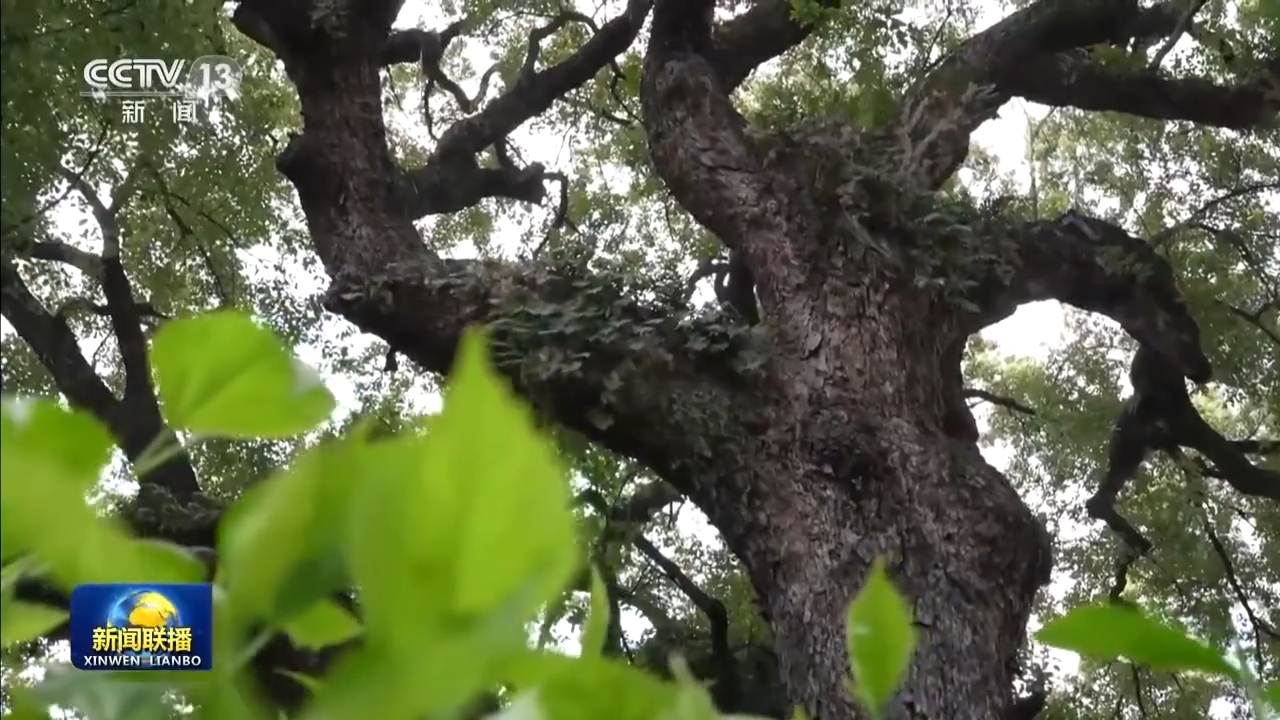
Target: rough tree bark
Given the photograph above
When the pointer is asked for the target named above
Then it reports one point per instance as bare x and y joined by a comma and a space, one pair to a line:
831, 432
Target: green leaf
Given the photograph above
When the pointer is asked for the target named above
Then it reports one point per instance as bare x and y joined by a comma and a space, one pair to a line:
223, 694
163, 562
50, 458
507, 481
232, 646
880, 638
306, 681
222, 374
301, 514
276, 513
596, 633
1272, 695
21, 621
58, 445
692, 701
590, 688
368, 682
1106, 632
474, 517
12, 573
104, 695
25, 705
321, 625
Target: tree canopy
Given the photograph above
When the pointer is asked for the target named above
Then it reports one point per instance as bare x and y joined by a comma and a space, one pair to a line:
585, 203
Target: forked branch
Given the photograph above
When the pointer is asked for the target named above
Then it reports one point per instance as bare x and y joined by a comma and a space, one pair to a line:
55, 344
536, 92
764, 32
1025, 54
1161, 417
699, 147
1096, 266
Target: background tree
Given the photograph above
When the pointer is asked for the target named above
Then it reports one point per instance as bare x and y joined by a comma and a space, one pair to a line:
812, 406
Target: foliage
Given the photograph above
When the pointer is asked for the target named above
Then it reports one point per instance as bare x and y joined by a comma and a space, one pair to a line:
456, 537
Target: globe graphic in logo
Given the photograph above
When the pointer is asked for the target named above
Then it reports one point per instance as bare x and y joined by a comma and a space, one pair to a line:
144, 609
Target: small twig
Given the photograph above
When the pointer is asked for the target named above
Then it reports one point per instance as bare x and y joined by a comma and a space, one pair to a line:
937, 35
994, 399
1253, 318
187, 233
1183, 24
1260, 627
77, 177
79, 304
1164, 235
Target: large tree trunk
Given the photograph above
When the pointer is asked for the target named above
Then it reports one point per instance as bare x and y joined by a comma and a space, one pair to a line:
857, 480
866, 448
834, 430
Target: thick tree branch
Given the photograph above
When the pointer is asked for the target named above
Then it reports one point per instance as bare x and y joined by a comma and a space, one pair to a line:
292, 28
929, 136
639, 508
53, 341
1226, 458
1160, 416
86, 262
764, 32
599, 363
699, 147
55, 344
126, 322
726, 689
634, 378
459, 182
452, 180
133, 419
1257, 447
1095, 266
1076, 81
409, 46
928, 139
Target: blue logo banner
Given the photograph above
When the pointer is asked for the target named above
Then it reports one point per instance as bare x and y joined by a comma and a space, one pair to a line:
142, 626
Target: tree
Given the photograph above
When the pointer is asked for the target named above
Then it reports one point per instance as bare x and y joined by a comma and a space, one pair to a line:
817, 416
